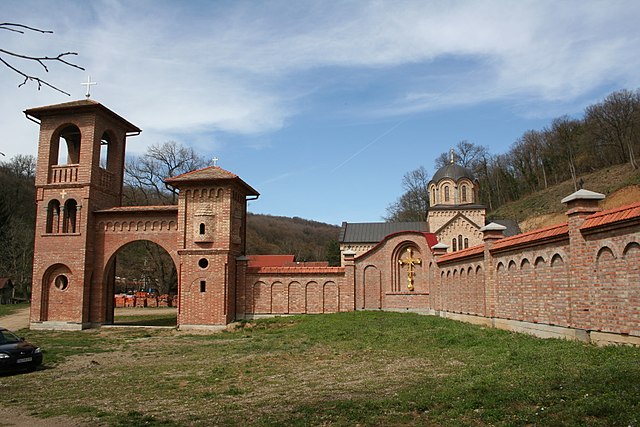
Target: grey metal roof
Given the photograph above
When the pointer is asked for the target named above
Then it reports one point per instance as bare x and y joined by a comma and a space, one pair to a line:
374, 232
512, 226
453, 171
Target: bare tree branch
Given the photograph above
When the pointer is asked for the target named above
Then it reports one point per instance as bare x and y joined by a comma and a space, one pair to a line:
42, 60
10, 27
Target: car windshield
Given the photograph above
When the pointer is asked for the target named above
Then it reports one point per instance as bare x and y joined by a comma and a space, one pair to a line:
7, 337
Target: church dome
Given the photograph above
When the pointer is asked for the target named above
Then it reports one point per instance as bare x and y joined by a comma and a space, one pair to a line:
453, 171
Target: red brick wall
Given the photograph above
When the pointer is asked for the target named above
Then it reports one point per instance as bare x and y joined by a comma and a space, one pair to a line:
296, 290
586, 280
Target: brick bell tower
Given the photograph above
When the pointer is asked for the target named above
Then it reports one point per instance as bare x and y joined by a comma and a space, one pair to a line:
212, 217
80, 170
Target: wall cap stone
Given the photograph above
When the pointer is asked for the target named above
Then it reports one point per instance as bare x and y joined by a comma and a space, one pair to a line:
493, 227
440, 246
583, 194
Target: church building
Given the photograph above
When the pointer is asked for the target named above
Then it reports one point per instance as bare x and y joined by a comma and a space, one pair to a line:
455, 215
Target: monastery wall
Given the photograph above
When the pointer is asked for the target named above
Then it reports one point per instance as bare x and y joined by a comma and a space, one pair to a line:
294, 290
576, 280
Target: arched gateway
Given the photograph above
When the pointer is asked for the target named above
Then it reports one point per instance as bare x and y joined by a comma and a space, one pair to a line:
80, 224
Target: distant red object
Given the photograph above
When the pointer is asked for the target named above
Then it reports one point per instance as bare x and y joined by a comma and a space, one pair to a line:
270, 260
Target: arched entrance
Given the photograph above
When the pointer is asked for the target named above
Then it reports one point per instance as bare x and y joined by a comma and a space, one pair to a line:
141, 285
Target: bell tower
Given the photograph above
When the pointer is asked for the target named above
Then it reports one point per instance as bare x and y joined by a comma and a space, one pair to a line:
80, 170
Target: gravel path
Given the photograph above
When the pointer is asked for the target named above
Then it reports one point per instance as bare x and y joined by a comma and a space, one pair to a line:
15, 321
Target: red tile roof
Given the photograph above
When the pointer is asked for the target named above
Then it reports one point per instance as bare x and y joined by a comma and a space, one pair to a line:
143, 209
553, 232
204, 174
624, 213
81, 104
469, 252
208, 174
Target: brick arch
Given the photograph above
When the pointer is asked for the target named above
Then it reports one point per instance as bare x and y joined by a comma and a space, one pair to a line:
55, 146
372, 292
103, 281
52, 296
398, 271
330, 297
279, 297
463, 291
297, 298
631, 257
115, 243
630, 247
604, 252
261, 302
606, 290
481, 302
314, 296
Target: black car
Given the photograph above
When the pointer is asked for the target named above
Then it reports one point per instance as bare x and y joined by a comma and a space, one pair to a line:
16, 353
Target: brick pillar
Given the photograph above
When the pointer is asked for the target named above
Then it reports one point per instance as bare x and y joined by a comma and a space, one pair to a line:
241, 284
439, 249
580, 205
490, 234
348, 261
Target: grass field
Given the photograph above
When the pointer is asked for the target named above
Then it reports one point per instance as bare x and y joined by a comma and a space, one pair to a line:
146, 317
361, 368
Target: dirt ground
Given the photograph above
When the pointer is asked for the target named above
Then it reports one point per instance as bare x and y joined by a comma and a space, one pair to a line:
15, 321
20, 319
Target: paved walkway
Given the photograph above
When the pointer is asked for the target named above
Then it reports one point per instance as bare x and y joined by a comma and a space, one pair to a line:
16, 320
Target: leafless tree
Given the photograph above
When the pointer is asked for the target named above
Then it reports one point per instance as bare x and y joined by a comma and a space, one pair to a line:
465, 154
145, 175
616, 122
6, 57
414, 202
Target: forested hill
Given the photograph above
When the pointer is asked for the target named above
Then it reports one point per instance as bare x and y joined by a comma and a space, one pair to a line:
307, 240
620, 184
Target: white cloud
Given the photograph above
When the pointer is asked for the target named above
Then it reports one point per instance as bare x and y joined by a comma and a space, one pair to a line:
245, 67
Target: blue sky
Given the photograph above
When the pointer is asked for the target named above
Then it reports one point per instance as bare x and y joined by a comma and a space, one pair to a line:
323, 106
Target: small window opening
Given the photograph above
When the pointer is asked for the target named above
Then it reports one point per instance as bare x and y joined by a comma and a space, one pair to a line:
464, 193
446, 193
466, 243
202, 228
69, 218
104, 153
454, 243
203, 263
460, 241
53, 217
203, 286
61, 282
